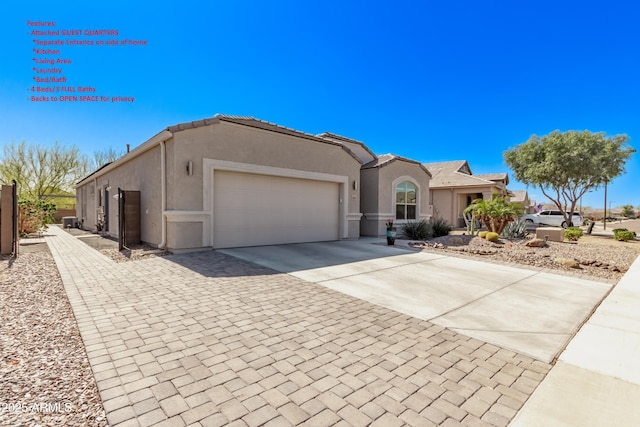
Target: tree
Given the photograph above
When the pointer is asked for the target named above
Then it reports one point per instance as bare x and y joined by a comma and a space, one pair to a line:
627, 210
102, 157
495, 214
40, 170
565, 165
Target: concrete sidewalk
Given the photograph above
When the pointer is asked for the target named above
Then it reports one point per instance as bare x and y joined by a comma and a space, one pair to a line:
206, 339
596, 381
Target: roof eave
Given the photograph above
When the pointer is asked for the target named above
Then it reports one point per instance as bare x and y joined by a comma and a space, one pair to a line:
142, 148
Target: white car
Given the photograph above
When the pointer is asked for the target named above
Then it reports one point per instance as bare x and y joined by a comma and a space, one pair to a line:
551, 217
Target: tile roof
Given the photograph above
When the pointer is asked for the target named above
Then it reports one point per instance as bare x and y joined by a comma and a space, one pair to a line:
519, 196
454, 174
502, 176
337, 137
359, 148
388, 158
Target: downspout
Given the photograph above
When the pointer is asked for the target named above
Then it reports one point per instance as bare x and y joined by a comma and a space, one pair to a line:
95, 201
163, 194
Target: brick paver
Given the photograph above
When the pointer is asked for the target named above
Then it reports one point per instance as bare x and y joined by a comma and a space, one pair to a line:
208, 339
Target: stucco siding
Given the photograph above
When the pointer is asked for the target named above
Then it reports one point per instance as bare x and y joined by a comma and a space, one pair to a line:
379, 194
369, 205
243, 144
142, 173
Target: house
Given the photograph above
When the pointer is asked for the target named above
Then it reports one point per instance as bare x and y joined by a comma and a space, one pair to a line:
232, 181
392, 187
521, 197
453, 187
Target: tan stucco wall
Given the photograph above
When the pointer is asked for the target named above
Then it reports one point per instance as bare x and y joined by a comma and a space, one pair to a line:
378, 195
242, 144
449, 203
184, 235
369, 204
142, 173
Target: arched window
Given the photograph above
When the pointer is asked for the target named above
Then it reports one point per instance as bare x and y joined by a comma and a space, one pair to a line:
406, 200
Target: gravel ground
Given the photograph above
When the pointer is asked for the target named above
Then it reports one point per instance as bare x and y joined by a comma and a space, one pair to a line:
591, 256
46, 376
134, 253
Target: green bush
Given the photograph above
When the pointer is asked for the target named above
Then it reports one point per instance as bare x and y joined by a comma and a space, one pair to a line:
622, 234
573, 233
34, 214
516, 230
492, 237
440, 227
417, 230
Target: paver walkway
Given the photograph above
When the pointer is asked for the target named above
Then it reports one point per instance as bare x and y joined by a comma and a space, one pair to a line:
208, 339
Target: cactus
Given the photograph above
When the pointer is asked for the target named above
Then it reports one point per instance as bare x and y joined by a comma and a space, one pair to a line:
492, 237
482, 234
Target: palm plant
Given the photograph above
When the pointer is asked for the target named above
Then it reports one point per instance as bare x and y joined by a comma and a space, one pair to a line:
495, 214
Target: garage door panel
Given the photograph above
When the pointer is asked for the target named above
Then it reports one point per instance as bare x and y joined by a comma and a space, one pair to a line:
253, 210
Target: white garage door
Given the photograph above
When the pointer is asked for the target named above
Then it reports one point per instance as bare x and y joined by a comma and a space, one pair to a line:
254, 210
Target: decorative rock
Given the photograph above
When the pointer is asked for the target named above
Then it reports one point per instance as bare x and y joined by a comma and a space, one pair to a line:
568, 262
536, 243
456, 241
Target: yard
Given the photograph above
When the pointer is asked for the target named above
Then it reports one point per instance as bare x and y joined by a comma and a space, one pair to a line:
597, 256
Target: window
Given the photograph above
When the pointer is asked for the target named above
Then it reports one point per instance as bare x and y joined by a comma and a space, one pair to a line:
405, 201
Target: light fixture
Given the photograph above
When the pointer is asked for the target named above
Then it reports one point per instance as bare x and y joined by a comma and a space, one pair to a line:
190, 168
355, 184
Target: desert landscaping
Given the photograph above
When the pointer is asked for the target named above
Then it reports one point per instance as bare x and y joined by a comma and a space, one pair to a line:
595, 256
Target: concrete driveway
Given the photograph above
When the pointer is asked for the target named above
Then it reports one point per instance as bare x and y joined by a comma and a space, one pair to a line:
532, 312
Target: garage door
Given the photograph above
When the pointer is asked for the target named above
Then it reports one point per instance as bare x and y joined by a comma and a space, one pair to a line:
254, 210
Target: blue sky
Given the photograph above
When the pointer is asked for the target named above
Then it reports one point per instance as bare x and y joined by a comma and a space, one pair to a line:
429, 80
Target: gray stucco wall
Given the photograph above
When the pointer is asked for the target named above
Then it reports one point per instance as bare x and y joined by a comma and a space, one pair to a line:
142, 173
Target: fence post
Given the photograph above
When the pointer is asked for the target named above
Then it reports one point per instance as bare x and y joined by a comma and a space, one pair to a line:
7, 212
16, 217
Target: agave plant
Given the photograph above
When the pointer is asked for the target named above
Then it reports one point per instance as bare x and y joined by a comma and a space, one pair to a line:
516, 230
417, 230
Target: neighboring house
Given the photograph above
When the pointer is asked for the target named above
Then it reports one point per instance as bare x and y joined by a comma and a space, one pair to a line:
521, 197
232, 181
453, 187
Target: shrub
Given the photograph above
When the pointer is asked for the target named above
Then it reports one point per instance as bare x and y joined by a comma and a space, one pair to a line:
516, 230
34, 214
622, 234
492, 237
482, 234
417, 230
573, 233
440, 227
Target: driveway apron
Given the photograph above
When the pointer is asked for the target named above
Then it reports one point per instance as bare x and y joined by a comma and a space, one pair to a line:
207, 339
528, 311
